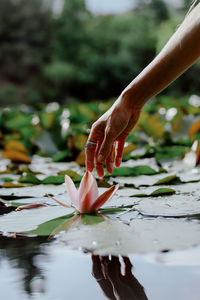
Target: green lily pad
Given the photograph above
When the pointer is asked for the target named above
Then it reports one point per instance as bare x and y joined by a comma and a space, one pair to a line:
28, 220
158, 192
88, 219
163, 191
46, 229
54, 180
171, 206
135, 171
29, 178
168, 180
61, 155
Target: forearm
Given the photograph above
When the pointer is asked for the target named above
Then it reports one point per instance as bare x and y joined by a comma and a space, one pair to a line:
181, 51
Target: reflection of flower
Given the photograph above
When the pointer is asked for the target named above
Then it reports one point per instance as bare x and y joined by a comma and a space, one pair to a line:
86, 199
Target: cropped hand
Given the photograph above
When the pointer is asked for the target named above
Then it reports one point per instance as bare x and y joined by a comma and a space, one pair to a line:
113, 126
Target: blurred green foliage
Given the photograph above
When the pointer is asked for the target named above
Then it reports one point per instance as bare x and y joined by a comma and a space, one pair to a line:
165, 131
46, 55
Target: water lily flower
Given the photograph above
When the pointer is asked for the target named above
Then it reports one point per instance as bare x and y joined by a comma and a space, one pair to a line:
86, 198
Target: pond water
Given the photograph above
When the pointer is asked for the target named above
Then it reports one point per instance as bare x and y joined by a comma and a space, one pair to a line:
38, 269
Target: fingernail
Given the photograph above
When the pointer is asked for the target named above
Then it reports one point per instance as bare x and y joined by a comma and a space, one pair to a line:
100, 158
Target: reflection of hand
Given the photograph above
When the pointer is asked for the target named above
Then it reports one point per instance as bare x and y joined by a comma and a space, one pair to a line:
114, 125
114, 284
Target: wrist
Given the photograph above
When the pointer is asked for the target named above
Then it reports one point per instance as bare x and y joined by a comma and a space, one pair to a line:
131, 100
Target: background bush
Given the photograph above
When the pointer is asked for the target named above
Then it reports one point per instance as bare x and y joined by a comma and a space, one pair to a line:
46, 56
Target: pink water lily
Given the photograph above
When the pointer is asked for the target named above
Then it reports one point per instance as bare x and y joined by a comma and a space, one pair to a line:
86, 198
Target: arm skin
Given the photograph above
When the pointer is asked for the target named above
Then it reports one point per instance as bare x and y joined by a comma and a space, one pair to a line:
180, 52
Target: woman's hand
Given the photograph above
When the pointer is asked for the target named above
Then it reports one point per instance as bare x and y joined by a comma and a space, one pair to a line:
113, 126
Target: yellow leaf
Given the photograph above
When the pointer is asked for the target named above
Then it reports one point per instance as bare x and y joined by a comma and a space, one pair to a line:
15, 145
16, 156
11, 185
152, 125
194, 128
78, 141
81, 158
128, 149
5, 171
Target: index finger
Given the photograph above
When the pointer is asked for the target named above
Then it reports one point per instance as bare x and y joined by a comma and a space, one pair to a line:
90, 153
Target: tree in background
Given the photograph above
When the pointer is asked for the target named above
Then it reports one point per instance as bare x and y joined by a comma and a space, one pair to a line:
48, 57
24, 37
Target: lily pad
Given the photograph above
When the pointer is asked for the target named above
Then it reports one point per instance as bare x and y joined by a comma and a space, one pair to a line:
33, 191
134, 171
142, 236
156, 193
29, 178
172, 206
54, 180
26, 220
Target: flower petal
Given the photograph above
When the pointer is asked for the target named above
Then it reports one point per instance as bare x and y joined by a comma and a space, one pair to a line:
72, 191
63, 204
30, 206
107, 195
88, 192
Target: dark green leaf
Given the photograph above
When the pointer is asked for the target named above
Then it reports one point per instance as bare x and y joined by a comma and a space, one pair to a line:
53, 180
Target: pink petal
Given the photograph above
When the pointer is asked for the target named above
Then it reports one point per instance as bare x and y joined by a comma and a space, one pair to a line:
72, 191
104, 197
88, 192
30, 206
63, 204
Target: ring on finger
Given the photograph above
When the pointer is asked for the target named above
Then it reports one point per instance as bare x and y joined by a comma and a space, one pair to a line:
88, 144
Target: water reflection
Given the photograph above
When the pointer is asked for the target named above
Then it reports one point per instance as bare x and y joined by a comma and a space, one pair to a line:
114, 284
21, 254
39, 269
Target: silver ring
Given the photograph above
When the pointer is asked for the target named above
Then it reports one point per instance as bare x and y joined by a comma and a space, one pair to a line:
99, 279
88, 144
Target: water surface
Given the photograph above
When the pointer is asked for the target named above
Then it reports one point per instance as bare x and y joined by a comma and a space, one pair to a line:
46, 270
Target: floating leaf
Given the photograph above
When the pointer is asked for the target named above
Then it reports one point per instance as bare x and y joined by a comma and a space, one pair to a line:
87, 219
167, 180
158, 192
54, 180
16, 156
163, 191
152, 125
15, 145
11, 185
61, 155
167, 152
194, 128
74, 175
26, 220
7, 179
171, 206
29, 178
135, 171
